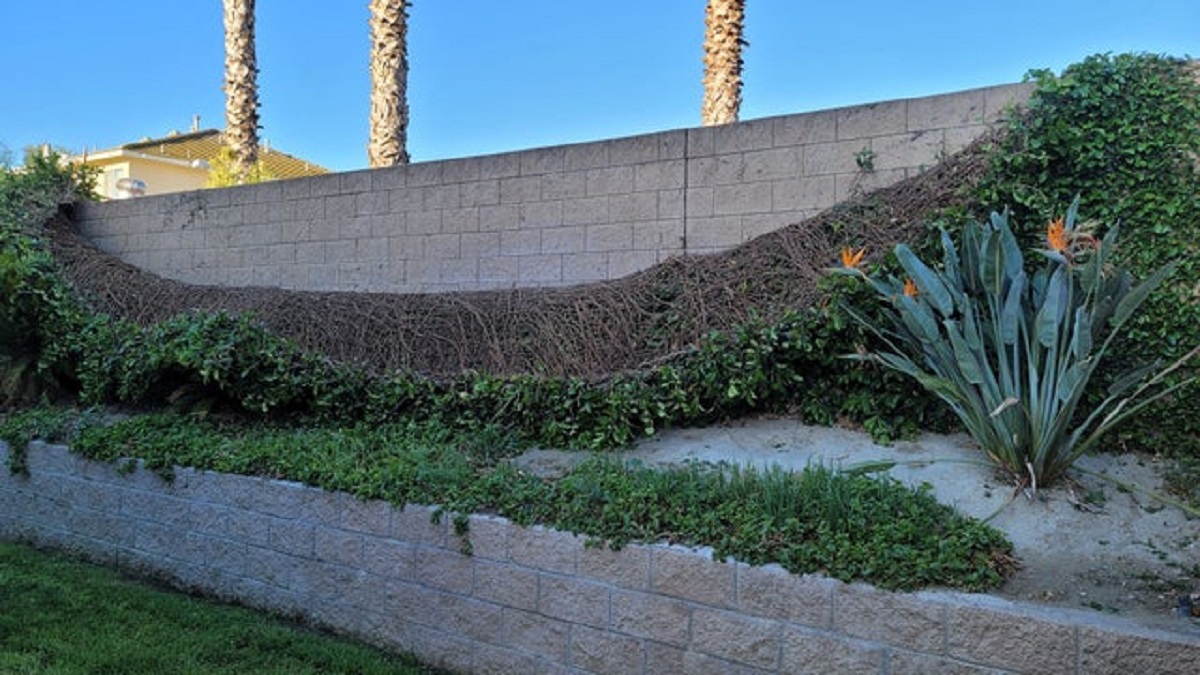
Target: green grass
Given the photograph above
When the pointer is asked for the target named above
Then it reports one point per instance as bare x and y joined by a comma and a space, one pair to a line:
59, 615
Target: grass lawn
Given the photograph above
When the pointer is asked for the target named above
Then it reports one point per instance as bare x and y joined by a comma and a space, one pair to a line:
59, 615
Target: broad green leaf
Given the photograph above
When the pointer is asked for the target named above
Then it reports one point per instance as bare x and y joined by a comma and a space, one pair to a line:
968, 361
1071, 385
1081, 340
1013, 310
929, 283
1053, 309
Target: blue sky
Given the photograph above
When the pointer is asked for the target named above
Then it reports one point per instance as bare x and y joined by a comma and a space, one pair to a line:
489, 76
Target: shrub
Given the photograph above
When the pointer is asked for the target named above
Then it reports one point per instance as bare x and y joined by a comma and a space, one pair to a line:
1123, 133
1012, 353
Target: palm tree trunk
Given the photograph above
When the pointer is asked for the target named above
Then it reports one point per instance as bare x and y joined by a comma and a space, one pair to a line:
241, 87
389, 83
723, 22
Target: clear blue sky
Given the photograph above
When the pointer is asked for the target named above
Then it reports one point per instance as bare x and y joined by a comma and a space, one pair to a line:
488, 75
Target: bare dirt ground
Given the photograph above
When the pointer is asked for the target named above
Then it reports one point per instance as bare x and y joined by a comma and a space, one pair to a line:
1099, 542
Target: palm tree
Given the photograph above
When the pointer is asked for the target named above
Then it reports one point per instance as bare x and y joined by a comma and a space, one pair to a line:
723, 22
389, 81
241, 87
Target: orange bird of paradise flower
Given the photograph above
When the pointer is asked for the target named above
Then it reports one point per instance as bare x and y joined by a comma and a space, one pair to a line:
851, 259
910, 288
1057, 237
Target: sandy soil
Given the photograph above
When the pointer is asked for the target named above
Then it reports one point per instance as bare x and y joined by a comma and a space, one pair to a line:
1099, 541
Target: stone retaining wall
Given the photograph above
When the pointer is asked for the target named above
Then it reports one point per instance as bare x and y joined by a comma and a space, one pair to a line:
541, 217
533, 600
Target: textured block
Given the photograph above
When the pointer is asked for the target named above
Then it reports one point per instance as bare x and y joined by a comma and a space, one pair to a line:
542, 161
562, 239
742, 136
415, 523
445, 570
803, 194
498, 272
804, 129
948, 110
1119, 651
911, 621
615, 237
808, 652
472, 618
520, 190
774, 593
633, 149
441, 246
910, 663
661, 175
499, 217
647, 615
493, 660
839, 157
1011, 640
913, 149
692, 574
742, 198
338, 546
479, 193
537, 269
585, 156
476, 245
564, 185
610, 181
598, 651
585, 211
873, 119
506, 584
292, 537
719, 232
771, 164
622, 263
671, 204
462, 170
726, 635
584, 267
499, 166
541, 214
658, 235
389, 558
573, 599
536, 633
633, 207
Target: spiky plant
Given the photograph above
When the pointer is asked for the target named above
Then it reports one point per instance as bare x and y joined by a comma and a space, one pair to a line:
1012, 354
723, 23
389, 82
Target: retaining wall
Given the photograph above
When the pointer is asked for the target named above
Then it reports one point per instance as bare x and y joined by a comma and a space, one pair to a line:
542, 217
532, 600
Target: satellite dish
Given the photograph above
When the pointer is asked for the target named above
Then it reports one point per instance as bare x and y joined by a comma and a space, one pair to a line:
130, 187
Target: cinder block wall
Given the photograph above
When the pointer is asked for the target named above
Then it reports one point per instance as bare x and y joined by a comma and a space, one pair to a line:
532, 600
543, 217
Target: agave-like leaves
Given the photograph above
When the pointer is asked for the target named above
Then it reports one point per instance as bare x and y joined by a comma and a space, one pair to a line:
1012, 352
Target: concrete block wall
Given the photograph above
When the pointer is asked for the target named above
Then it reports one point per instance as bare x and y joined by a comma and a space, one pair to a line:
542, 217
533, 600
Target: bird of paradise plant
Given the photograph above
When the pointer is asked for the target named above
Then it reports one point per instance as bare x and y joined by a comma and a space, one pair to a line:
1011, 352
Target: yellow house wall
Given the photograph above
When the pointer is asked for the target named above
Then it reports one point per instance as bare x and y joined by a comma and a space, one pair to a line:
160, 178
163, 178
